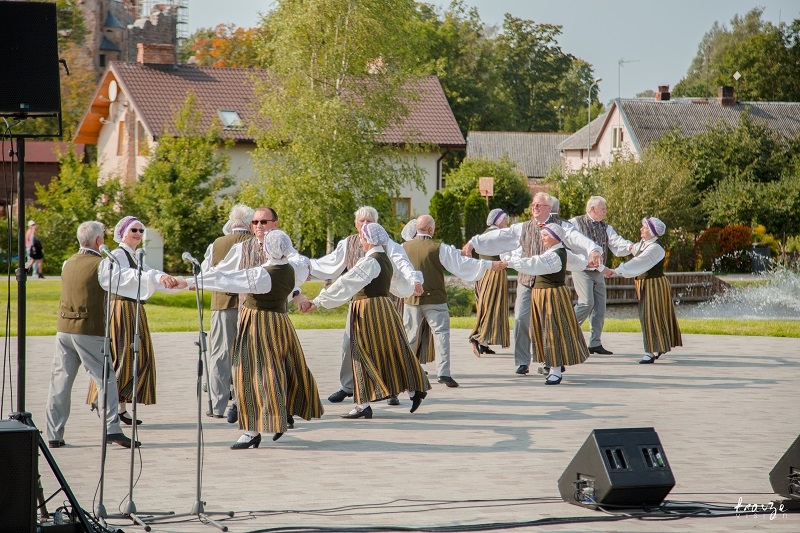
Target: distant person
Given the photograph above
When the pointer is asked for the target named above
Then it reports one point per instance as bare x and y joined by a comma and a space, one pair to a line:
33, 246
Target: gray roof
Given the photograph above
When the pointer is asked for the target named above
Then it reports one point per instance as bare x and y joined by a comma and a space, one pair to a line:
579, 140
534, 154
105, 44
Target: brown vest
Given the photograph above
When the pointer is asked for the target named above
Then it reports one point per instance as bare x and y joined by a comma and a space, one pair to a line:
82, 306
657, 271
277, 298
424, 255
380, 285
597, 231
225, 300
556, 279
531, 245
354, 252
490, 257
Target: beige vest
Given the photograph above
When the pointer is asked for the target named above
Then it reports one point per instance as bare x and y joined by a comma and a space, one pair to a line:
225, 300
82, 306
424, 255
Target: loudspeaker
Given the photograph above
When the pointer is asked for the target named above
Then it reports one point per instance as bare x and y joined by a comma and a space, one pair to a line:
18, 457
29, 76
785, 477
618, 468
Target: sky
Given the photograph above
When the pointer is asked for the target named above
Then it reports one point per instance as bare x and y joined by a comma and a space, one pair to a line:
658, 40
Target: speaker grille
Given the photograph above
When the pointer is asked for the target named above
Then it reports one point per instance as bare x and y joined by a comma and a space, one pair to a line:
18, 457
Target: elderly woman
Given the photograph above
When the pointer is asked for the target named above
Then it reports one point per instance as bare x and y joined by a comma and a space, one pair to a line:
556, 335
491, 325
660, 331
383, 362
271, 379
124, 289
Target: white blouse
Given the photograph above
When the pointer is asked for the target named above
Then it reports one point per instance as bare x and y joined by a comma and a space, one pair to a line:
333, 264
230, 264
250, 280
506, 240
647, 254
466, 268
125, 279
547, 263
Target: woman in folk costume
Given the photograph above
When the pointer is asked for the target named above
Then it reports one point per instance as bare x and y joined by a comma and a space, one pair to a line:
558, 339
660, 331
383, 363
124, 288
270, 377
491, 325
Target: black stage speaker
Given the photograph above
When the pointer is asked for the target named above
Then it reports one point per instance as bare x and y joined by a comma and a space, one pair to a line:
18, 469
618, 468
785, 477
29, 82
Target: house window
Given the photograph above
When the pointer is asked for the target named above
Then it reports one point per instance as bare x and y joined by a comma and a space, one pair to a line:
121, 138
230, 120
141, 139
101, 61
616, 137
402, 208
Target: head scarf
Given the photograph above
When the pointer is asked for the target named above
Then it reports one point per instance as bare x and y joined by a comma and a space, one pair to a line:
657, 228
375, 234
277, 244
409, 230
122, 227
555, 230
496, 216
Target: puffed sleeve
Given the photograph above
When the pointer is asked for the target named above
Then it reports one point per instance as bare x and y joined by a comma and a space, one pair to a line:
345, 287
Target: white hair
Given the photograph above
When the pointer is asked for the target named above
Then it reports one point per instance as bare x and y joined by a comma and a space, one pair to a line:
594, 201
241, 216
547, 198
370, 213
555, 206
88, 232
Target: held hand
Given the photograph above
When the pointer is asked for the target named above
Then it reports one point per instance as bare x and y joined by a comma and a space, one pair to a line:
181, 283
167, 281
302, 302
310, 307
418, 289
608, 273
467, 249
499, 265
594, 259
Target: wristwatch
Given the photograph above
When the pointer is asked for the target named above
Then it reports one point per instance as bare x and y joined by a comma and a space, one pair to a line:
295, 293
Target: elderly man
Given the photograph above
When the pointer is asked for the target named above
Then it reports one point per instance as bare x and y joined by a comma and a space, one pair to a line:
224, 312
590, 284
79, 339
432, 258
528, 236
347, 253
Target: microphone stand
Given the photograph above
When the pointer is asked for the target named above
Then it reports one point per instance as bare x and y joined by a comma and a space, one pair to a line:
198, 509
100, 511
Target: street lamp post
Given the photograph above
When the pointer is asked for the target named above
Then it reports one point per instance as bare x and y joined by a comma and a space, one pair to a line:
589, 123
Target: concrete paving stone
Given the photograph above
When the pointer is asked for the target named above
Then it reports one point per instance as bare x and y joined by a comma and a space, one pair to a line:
489, 451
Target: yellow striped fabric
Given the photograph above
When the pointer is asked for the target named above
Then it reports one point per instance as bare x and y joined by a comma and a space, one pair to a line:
557, 339
492, 309
660, 330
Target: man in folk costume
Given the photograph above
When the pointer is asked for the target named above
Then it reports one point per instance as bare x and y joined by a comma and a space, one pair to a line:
224, 312
432, 258
80, 337
347, 253
527, 235
660, 330
271, 377
590, 284
383, 362
558, 338
491, 324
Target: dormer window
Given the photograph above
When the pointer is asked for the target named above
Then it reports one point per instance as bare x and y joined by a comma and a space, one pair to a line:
230, 120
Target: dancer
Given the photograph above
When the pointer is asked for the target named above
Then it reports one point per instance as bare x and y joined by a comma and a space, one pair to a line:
383, 363
660, 330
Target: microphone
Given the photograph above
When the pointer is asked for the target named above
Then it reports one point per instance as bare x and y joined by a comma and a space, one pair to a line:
104, 249
140, 257
186, 256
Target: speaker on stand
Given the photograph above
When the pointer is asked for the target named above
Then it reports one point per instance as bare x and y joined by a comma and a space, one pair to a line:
18, 446
785, 477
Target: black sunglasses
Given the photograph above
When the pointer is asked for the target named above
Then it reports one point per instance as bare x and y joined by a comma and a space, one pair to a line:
263, 222
137, 230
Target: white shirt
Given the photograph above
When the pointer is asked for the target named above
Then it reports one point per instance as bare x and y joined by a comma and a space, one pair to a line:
125, 279
250, 280
647, 255
547, 263
506, 240
618, 246
332, 265
206, 264
466, 268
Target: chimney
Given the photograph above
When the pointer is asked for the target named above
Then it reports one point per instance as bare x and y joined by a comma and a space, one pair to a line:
155, 54
725, 95
662, 95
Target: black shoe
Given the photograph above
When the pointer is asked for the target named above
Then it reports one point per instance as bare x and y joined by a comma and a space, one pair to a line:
393, 400
233, 414
417, 400
522, 369
549, 381
487, 350
289, 422
127, 420
647, 359
339, 396
476, 347
359, 413
213, 415
254, 442
275, 437
56, 443
447, 380
121, 439
599, 349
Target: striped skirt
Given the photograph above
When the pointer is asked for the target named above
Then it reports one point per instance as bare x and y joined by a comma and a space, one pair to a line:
660, 331
557, 338
383, 362
270, 376
123, 328
424, 350
492, 309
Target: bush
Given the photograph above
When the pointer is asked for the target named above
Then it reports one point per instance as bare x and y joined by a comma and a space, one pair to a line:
734, 249
682, 255
708, 247
461, 301
475, 213
511, 192
761, 237
446, 211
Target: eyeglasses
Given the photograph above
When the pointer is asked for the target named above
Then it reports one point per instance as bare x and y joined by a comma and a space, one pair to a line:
540, 206
262, 222
137, 230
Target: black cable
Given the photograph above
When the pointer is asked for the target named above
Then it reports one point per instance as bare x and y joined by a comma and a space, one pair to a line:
10, 247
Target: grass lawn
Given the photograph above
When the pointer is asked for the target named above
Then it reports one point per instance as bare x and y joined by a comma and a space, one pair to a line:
177, 312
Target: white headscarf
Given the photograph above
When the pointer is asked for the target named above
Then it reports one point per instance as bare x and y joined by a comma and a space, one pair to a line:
122, 227
375, 234
496, 216
277, 244
555, 230
657, 228
409, 230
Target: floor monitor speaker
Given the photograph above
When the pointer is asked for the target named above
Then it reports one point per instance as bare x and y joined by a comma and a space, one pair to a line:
18, 457
785, 477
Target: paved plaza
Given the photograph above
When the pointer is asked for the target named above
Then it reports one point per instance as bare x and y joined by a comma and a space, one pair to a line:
488, 452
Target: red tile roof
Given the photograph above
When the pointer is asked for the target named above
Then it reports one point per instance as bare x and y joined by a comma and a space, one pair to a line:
48, 151
158, 91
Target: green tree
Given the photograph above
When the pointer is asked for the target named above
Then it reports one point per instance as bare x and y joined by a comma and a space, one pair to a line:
341, 77
475, 213
179, 190
511, 192
445, 209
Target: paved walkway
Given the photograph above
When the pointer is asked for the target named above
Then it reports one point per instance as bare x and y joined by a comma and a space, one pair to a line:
490, 451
